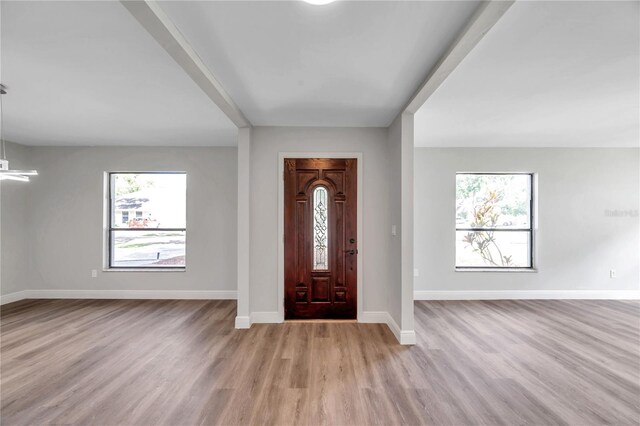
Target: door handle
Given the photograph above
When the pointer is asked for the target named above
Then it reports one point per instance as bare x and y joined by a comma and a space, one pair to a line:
351, 252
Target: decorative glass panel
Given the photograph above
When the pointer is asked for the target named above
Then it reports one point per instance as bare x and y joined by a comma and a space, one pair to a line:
320, 228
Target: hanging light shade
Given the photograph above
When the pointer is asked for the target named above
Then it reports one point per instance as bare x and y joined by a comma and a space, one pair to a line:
6, 173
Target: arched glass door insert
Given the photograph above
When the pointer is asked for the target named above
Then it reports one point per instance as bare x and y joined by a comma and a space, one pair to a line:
320, 228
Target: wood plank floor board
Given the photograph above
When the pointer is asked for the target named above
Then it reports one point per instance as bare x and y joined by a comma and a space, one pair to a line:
179, 362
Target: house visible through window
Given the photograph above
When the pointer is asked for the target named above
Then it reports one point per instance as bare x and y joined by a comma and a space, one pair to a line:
494, 220
147, 220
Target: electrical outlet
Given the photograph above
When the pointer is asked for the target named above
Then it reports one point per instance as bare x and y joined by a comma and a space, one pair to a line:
612, 273
416, 273
94, 273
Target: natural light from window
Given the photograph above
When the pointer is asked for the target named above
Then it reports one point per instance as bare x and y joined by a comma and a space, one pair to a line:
494, 220
147, 221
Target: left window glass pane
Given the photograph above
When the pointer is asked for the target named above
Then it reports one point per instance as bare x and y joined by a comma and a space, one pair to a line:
148, 200
148, 249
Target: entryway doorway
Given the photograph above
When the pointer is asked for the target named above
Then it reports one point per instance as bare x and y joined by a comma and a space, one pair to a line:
320, 238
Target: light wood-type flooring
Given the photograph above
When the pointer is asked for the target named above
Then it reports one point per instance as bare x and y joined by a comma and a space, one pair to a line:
126, 362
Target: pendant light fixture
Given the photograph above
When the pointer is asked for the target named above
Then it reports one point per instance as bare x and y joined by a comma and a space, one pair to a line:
5, 172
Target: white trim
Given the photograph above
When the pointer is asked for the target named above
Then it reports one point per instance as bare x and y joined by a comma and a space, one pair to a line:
404, 337
525, 294
14, 297
407, 337
265, 318
243, 322
130, 294
360, 205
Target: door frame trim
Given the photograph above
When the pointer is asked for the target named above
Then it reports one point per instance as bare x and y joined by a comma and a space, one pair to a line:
361, 248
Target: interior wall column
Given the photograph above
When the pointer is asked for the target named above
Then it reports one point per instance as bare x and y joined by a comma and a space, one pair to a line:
243, 319
408, 335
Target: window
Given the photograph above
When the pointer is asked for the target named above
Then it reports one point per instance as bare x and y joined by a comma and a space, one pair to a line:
320, 228
494, 220
156, 236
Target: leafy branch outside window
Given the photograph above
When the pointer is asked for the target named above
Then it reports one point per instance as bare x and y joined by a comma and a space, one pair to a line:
482, 242
487, 205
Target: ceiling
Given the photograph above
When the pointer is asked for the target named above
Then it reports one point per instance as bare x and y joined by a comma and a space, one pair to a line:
344, 64
549, 74
87, 73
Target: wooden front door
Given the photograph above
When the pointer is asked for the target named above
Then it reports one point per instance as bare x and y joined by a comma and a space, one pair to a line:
320, 246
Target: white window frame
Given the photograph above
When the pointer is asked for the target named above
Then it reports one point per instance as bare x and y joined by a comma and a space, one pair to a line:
108, 228
533, 215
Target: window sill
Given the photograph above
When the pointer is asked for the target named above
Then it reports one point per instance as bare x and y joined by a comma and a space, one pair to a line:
499, 270
144, 269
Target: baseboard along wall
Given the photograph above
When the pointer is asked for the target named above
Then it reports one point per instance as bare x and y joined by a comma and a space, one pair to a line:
120, 294
526, 294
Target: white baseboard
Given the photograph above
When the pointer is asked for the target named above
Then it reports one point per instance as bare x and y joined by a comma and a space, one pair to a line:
243, 322
121, 294
404, 337
13, 297
525, 294
257, 318
265, 318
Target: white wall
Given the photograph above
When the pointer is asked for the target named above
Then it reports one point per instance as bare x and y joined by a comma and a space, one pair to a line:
400, 147
243, 228
65, 204
394, 273
266, 143
14, 250
577, 243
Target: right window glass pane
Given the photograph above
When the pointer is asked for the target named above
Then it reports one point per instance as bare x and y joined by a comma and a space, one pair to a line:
494, 220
